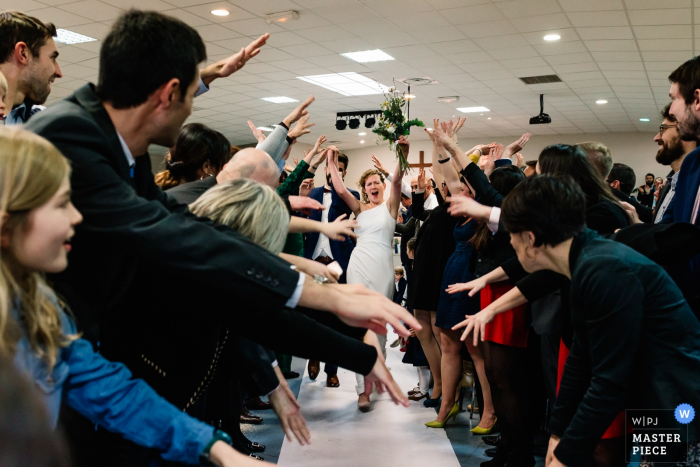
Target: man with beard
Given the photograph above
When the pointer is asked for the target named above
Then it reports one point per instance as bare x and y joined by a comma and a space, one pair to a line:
319, 247
28, 61
685, 108
646, 191
672, 151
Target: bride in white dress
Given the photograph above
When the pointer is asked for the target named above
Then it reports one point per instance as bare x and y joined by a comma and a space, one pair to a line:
371, 262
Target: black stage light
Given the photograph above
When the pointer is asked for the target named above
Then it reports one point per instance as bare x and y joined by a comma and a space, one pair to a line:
340, 124
354, 123
370, 122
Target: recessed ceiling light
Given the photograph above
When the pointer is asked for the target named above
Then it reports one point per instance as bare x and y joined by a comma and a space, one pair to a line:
347, 84
265, 128
279, 99
448, 99
368, 56
489, 118
362, 142
362, 134
281, 17
409, 96
601, 101
220, 12
70, 37
468, 110
552, 37
643, 119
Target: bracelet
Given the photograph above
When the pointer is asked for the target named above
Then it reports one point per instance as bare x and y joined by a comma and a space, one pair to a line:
444, 160
218, 436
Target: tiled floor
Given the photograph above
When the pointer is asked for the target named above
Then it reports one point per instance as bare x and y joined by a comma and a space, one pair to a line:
388, 435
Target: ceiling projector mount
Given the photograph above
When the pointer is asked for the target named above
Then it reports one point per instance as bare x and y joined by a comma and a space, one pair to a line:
542, 117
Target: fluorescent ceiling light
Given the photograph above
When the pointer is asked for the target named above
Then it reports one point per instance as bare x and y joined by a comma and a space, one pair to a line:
279, 99
552, 37
409, 96
362, 142
362, 134
70, 37
368, 56
448, 99
601, 101
347, 84
220, 12
468, 110
265, 128
643, 119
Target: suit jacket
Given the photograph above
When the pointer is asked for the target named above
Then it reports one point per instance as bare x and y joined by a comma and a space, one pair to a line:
151, 282
662, 193
187, 193
398, 294
341, 251
405, 237
645, 213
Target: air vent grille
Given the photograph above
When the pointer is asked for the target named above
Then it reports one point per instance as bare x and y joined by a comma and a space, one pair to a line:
417, 81
541, 79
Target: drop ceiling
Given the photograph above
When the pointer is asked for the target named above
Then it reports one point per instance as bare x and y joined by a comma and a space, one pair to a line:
621, 51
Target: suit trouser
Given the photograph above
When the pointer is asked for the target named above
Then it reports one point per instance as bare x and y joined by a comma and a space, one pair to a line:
360, 387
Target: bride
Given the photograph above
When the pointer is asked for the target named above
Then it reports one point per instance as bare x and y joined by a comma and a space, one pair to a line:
371, 262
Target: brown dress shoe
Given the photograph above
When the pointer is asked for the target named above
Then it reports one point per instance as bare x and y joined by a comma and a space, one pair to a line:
314, 368
249, 418
417, 396
257, 404
332, 381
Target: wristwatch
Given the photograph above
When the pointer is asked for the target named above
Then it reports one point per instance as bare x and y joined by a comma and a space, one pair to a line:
218, 436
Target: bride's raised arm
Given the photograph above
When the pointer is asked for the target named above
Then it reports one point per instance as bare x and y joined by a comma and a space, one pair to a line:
395, 195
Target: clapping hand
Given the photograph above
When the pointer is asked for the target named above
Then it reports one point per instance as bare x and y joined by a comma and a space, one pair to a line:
490, 163
516, 146
518, 160
258, 133
378, 165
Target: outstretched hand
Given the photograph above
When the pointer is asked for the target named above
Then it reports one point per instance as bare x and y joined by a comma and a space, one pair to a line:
287, 409
301, 128
258, 133
235, 62
378, 165
380, 376
464, 206
473, 287
298, 112
516, 146
340, 228
475, 324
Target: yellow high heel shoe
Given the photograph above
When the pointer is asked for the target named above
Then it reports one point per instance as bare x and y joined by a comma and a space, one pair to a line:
453, 415
484, 431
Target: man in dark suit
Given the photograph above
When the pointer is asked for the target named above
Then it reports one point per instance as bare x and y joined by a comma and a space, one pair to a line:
407, 262
686, 200
622, 180
148, 281
320, 248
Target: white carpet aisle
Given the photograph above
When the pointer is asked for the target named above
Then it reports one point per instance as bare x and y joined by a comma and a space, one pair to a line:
388, 435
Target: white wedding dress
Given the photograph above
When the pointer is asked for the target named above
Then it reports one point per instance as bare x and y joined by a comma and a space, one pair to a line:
371, 263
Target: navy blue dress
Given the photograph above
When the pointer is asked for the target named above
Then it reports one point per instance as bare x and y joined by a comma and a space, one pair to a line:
452, 308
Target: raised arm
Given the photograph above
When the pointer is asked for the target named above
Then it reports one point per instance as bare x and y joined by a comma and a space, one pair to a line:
436, 169
442, 134
395, 196
338, 184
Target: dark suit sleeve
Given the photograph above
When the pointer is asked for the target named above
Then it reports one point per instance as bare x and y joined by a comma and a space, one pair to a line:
586, 407
485, 193
255, 364
159, 229
407, 228
418, 203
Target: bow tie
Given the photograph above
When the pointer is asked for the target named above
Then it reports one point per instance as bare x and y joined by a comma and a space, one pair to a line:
326, 190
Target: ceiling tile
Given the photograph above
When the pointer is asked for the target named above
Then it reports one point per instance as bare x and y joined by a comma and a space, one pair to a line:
591, 5
473, 14
187, 17
666, 44
500, 42
544, 23
598, 33
598, 18
254, 27
513, 52
663, 32
567, 59
523, 8
306, 50
437, 35
657, 17
616, 56
488, 29
611, 46
61, 18
652, 4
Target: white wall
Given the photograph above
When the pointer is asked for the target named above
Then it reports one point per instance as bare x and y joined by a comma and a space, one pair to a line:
634, 149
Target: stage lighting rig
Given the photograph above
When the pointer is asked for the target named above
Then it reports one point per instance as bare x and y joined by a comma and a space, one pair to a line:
353, 119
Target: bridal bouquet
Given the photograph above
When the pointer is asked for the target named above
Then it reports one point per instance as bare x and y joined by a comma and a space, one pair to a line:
393, 124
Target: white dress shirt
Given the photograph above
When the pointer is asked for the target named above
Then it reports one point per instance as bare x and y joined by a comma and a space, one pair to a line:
323, 246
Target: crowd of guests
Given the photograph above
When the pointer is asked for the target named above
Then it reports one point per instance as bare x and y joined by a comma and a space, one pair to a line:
186, 294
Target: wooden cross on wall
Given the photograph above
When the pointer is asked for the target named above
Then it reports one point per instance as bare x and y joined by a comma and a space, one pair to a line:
422, 164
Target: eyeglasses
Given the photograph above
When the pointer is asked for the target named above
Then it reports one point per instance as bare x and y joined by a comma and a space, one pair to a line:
663, 128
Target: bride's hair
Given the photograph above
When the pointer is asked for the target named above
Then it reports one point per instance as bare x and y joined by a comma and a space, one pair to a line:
32, 172
363, 180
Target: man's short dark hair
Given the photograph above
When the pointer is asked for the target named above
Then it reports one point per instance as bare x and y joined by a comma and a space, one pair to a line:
17, 27
143, 51
650, 175
666, 113
411, 244
625, 175
344, 159
687, 77
551, 207
531, 164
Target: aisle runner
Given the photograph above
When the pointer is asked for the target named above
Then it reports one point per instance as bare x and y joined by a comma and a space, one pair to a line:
387, 436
